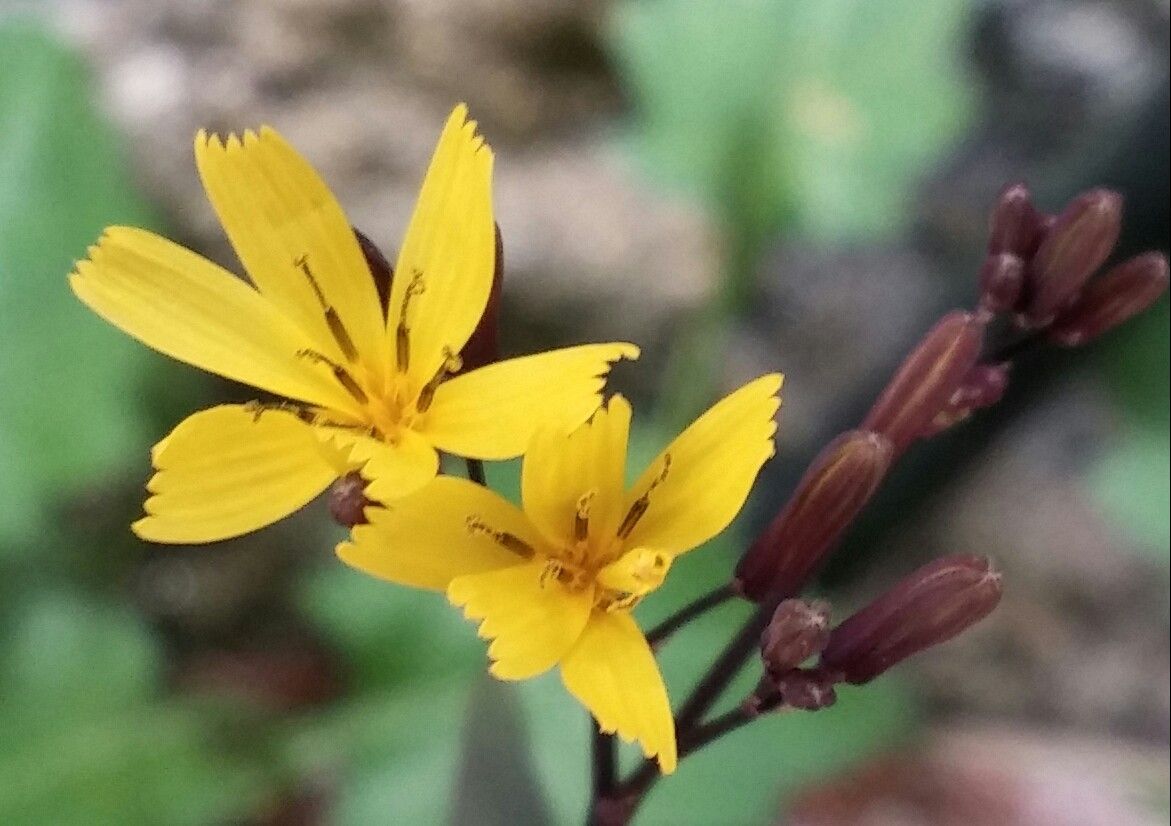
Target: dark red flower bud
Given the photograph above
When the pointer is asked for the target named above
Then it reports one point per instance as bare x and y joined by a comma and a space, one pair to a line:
805, 689
929, 607
1122, 293
347, 500
1079, 243
484, 345
984, 386
1001, 279
926, 380
798, 630
831, 494
380, 269
1015, 226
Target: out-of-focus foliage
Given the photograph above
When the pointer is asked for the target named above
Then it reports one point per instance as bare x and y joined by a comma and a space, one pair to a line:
87, 738
813, 117
1132, 481
67, 411
786, 118
88, 734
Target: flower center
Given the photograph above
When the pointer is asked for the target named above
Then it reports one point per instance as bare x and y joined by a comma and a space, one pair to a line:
620, 578
385, 410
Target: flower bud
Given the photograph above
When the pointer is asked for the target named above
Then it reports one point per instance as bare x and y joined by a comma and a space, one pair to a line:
1079, 243
1001, 279
1122, 293
484, 345
380, 269
830, 495
929, 607
347, 500
1015, 226
984, 386
805, 689
926, 380
798, 630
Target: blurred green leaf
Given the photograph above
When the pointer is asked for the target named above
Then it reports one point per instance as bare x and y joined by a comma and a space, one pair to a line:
66, 659
395, 751
389, 635
86, 742
497, 783
413, 788
1133, 484
68, 410
1135, 359
821, 116
145, 765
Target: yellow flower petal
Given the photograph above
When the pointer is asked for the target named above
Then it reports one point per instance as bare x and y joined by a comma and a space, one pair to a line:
449, 528
394, 469
711, 470
613, 673
532, 619
186, 307
227, 471
295, 242
444, 270
563, 474
493, 412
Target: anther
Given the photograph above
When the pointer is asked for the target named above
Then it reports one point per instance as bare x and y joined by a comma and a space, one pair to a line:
332, 319
621, 602
302, 263
343, 377
643, 502
451, 365
334, 322
402, 340
402, 347
258, 408
553, 570
581, 516
352, 387
508, 541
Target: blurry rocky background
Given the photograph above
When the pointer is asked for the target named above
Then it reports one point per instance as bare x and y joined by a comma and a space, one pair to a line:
737, 186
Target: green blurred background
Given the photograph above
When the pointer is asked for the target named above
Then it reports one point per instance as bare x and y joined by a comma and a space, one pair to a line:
738, 187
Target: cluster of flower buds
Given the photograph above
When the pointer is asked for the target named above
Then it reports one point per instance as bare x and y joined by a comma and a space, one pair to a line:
941, 380
1040, 268
929, 607
1038, 275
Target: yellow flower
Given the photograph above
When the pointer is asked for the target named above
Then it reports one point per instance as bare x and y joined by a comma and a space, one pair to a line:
371, 390
554, 583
